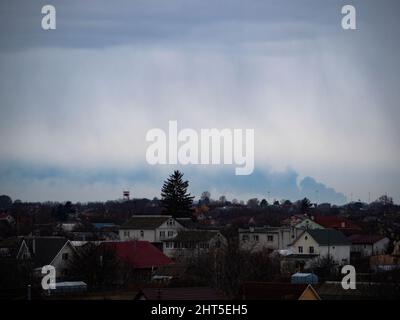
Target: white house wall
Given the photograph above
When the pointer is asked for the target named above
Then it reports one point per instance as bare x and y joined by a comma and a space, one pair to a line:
340, 253
281, 239
153, 235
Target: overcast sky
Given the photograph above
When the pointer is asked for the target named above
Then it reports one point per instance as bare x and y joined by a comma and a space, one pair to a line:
77, 102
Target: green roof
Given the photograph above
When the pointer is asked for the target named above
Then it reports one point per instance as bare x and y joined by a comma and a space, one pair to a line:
144, 223
328, 237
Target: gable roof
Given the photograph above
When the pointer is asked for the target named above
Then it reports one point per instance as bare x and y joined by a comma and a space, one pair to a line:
275, 291
308, 222
45, 249
365, 238
12, 246
145, 222
327, 237
193, 236
335, 222
138, 254
184, 293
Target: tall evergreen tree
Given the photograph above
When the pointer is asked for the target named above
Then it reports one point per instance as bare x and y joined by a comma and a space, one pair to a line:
305, 206
175, 199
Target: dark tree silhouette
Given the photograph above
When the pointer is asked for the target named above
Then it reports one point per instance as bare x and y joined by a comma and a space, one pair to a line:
175, 199
5, 202
325, 267
264, 203
305, 205
97, 265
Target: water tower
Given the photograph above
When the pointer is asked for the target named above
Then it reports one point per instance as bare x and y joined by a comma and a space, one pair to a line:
125, 195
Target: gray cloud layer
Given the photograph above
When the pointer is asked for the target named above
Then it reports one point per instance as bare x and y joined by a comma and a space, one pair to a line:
322, 100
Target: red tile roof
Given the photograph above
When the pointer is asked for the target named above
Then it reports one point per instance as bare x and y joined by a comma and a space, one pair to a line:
365, 238
335, 222
139, 254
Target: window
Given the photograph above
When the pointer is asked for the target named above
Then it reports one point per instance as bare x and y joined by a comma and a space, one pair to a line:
306, 238
255, 237
270, 238
170, 233
141, 233
162, 234
311, 249
126, 233
167, 245
65, 256
300, 249
245, 237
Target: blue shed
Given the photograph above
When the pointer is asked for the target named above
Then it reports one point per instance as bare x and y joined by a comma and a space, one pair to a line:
307, 278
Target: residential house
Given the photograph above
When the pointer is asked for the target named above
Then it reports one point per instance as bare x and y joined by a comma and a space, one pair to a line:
271, 238
140, 256
341, 224
6, 218
193, 242
14, 248
294, 220
308, 223
368, 245
54, 251
106, 231
151, 228
278, 291
323, 242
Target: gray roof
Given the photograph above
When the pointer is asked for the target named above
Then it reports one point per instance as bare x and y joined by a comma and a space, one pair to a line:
187, 223
144, 222
44, 249
327, 237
